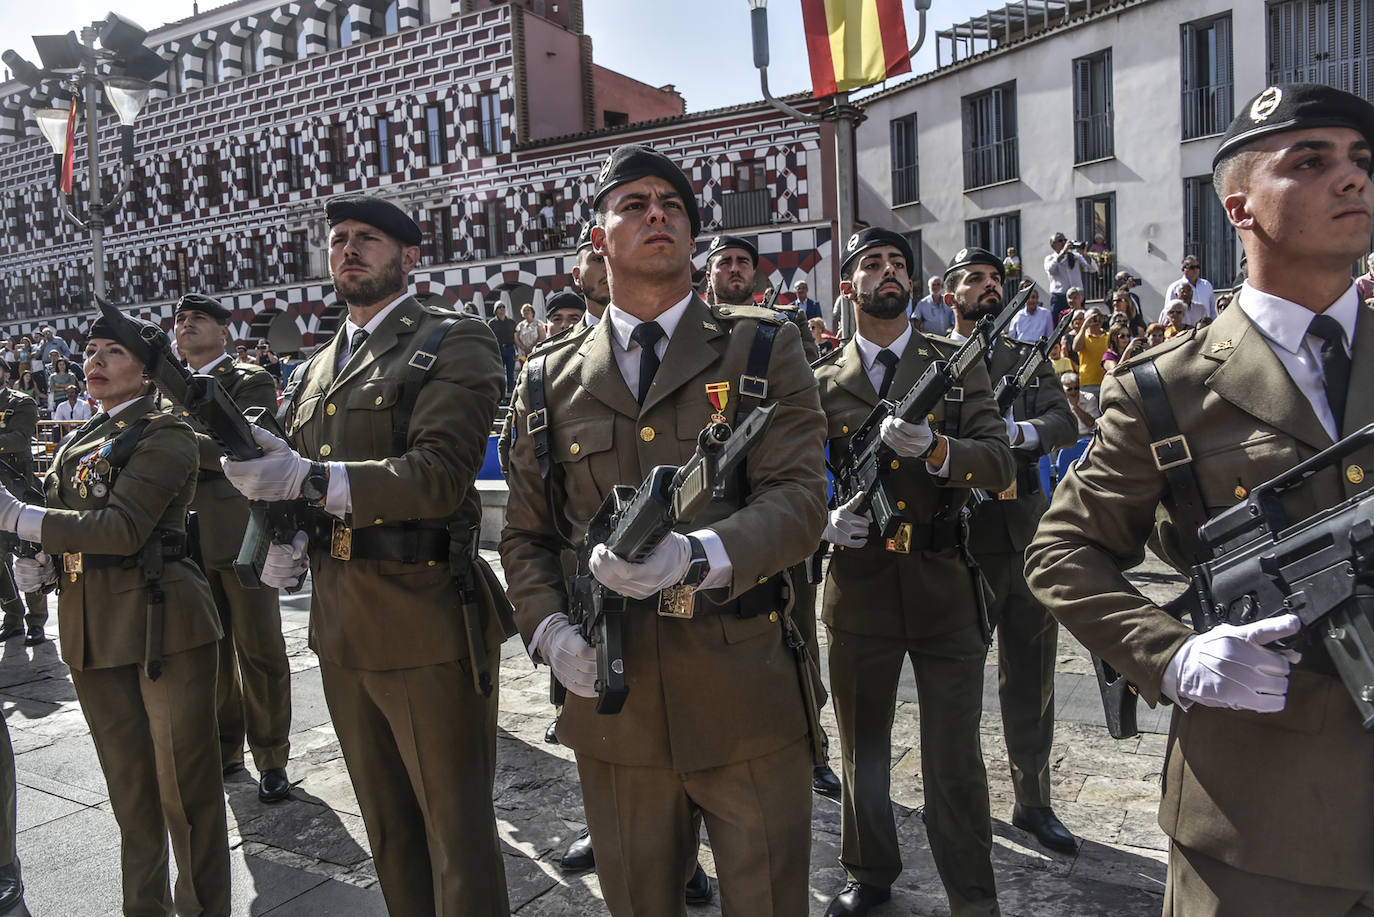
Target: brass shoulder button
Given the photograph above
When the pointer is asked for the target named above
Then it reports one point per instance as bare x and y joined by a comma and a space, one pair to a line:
1354, 474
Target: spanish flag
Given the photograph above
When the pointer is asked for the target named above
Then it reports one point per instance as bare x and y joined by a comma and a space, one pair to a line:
854, 43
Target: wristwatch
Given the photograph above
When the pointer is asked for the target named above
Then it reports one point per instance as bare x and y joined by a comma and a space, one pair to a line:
699, 567
315, 487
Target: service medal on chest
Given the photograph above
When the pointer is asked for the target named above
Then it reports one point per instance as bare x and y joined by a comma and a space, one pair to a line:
719, 394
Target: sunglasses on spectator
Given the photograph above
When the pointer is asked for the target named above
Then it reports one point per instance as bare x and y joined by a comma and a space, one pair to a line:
1070, 388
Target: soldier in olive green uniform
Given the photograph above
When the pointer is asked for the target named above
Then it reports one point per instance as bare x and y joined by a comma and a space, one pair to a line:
399, 405
714, 722
1000, 527
143, 669
254, 676
1268, 800
913, 596
18, 424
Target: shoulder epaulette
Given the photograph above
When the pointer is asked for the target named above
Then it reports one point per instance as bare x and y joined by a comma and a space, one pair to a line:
758, 313
1167, 346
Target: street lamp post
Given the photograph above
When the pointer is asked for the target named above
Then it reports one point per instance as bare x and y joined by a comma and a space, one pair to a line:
79, 69
846, 118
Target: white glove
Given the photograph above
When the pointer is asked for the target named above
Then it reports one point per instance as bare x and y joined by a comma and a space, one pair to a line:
909, 440
572, 659
10, 508
286, 563
666, 566
275, 475
1230, 666
31, 574
846, 527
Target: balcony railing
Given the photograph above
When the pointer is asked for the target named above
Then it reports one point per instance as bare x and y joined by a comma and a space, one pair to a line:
744, 208
1206, 110
991, 163
906, 184
1093, 137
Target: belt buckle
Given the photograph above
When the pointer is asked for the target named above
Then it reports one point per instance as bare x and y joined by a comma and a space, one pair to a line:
1009, 493
1171, 452
900, 543
677, 602
340, 541
72, 566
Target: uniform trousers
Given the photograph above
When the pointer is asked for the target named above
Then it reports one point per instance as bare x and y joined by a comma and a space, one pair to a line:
864, 673
254, 684
1027, 642
13, 607
420, 745
1200, 886
160, 755
8, 789
644, 825
805, 617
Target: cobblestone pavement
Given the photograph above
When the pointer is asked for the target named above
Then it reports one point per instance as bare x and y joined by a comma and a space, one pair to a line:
309, 856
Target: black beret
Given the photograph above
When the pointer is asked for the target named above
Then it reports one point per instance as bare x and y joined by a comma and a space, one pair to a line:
720, 243
975, 255
584, 235
872, 237
374, 211
1295, 107
631, 163
103, 327
195, 302
564, 300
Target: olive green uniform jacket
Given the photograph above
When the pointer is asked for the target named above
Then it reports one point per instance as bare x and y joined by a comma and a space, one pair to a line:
716, 689
1285, 794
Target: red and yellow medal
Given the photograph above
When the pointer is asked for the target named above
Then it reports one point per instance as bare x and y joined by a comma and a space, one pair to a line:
719, 393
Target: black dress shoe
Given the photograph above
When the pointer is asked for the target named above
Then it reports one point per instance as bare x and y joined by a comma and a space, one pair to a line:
551, 734
856, 900
579, 857
698, 888
11, 886
10, 631
35, 636
1047, 828
273, 786
824, 781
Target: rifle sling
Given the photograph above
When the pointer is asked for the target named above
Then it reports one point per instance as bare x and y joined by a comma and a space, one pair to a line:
1172, 457
538, 426
420, 363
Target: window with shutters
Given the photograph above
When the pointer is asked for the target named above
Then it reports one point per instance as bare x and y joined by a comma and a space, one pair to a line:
1322, 41
493, 220
254, 170
335, 165
295, 162
1097, 217
214, 187
255, 268
906, 175
990, 145
994, 233
436, 139
1208, 76
489, 123
1092, 107
439, 249
298, 255
1207, 233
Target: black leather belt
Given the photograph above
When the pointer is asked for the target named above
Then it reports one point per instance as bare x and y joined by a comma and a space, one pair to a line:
935, 536
206, 474
407, 544
173, 548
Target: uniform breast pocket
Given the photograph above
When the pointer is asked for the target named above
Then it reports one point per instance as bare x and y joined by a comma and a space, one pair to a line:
583, 448
368, 422
1227, 475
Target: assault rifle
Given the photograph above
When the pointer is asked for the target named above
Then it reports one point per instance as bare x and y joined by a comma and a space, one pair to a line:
863, 467
1008, 388
632, 522
202, 396
1320, 568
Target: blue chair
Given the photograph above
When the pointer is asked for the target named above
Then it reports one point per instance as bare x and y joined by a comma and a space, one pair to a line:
1047, 478
491, 465
1068, 456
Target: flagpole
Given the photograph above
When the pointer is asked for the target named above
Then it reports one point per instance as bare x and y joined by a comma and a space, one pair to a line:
97, 215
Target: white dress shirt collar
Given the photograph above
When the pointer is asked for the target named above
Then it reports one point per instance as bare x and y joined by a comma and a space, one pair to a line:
1285, 322
375, 321
623, 323
869, 350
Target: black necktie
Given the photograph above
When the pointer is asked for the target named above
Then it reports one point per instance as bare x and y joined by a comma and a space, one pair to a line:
646, 335
889, 361
1335, 365
354, 344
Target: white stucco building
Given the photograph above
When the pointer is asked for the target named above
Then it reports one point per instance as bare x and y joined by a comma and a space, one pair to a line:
1092, 117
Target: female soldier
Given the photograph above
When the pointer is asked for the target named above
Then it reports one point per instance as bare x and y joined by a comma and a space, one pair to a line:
139, 629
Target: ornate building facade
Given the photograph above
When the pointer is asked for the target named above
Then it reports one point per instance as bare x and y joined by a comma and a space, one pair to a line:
481, 120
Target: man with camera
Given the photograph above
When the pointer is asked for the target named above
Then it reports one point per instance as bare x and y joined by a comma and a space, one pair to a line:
1267, 797
1065, 266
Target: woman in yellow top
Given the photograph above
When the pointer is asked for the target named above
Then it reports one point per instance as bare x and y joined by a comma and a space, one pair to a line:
1175, 314
1091, 345
139, 629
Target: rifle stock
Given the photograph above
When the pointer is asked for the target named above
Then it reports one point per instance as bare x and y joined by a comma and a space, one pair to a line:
632, 522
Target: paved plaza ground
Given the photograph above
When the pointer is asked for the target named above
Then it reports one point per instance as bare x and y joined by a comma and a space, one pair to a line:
309, 855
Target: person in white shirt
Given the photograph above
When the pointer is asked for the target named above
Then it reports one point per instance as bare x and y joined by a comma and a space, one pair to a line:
1031, 323
1204, 298
1065, 268
73, 408
932, 315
